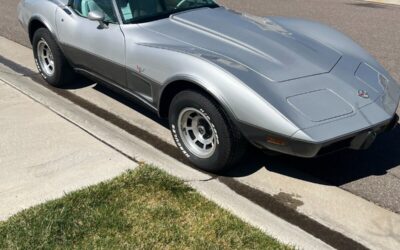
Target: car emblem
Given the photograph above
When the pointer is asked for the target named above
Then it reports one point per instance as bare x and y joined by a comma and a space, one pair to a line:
363, 94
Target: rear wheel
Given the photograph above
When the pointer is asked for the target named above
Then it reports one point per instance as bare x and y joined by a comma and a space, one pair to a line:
203, 133
50, 60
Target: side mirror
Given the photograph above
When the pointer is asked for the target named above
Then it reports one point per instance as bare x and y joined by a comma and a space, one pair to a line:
99, 17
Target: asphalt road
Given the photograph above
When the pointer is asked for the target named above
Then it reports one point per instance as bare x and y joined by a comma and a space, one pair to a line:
372, 174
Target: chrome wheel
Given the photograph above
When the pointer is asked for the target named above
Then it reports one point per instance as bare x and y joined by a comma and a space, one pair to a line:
45, 58
197, 132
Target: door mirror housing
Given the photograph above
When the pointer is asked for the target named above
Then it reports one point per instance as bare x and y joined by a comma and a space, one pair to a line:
99, 17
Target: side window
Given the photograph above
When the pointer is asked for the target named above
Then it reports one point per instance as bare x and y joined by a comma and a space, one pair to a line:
126, 9
83, 7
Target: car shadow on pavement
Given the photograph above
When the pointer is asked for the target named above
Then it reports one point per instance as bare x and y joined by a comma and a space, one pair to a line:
133, 104
335, 169
83, 82
79, 83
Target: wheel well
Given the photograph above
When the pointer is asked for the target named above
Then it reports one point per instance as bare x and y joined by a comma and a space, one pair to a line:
173, 89
33, 27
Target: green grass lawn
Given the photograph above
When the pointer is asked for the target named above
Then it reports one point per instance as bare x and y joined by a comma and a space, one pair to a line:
144, 208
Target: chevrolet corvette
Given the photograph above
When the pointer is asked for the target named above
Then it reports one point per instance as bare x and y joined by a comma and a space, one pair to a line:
223, 79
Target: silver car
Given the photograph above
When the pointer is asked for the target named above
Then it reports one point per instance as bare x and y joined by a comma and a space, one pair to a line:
222, 78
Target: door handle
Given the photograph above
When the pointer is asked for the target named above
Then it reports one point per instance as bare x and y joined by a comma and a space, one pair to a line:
67, 11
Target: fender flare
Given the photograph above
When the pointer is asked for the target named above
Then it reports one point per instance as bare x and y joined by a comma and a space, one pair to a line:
188, 79
42, 20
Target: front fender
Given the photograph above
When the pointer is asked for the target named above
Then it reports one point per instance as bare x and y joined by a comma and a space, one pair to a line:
34, 12
201, 67
42, 20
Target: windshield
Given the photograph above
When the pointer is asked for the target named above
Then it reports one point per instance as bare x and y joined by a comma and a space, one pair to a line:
134, 11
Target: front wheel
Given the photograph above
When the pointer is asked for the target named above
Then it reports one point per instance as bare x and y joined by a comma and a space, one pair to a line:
203, 133
50, 60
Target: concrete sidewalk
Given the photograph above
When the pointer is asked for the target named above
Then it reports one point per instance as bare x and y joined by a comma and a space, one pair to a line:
42, 155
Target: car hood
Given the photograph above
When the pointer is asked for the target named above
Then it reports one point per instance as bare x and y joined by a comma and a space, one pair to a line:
254, 42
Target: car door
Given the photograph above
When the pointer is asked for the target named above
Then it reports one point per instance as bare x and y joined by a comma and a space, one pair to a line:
99, 51
138, 82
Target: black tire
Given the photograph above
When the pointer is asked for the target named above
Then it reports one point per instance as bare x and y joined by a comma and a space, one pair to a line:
230, 146
63, 72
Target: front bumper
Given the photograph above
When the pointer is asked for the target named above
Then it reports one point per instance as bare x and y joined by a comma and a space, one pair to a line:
359, 140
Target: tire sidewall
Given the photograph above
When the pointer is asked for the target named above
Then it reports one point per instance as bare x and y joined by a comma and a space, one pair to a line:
217, 161
46, 36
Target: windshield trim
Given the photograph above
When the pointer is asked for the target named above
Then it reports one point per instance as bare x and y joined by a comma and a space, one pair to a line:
167, 14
